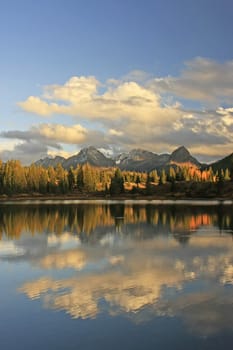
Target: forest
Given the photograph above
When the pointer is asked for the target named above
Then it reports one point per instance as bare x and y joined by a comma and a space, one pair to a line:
18, 179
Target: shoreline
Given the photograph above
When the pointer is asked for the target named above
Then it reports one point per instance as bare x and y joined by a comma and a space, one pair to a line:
126, 199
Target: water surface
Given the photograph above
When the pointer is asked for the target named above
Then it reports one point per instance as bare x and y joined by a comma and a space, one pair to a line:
110, 276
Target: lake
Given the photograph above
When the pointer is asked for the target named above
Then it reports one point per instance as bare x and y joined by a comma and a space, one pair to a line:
116, 276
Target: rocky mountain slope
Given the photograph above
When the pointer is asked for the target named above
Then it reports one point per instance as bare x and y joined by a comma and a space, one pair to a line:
135, 160
141, 160
89, 155
182, 155
46, 162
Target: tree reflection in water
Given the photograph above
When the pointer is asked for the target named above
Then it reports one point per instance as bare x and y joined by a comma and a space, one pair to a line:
86, 219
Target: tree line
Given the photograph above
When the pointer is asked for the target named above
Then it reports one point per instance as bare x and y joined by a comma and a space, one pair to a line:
16, 178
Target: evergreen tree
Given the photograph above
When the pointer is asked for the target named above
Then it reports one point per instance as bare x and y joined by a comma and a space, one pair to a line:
71, 179
171, 176
163, 177
52, 180
43, 180
1, 177
89, 179
153, 176
80, 182
61, 179
138, 180
227, 175
148, 185
117, 183
211, 174
32, 177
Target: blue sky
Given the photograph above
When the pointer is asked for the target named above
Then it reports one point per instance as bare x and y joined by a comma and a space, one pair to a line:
115, 74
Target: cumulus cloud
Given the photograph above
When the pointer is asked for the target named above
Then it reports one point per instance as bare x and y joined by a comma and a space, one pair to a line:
26, 152
37, 142
50, 133
74, 134
202, 79
139, 110
115, 132
79, 97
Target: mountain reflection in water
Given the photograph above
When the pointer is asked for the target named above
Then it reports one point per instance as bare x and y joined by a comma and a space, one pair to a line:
139, 262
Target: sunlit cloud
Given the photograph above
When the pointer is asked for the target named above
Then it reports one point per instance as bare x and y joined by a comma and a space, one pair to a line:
79, 97
115, 132
202, 79
62, 153
50, 133
61, 133
112, 114
26, 151
41, 141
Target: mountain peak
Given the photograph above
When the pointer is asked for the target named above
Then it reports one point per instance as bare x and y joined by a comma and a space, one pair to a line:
182, 155
135, 160
89, 155
180, 150
88, 149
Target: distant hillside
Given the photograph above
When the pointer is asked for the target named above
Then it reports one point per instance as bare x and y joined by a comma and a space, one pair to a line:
224, 163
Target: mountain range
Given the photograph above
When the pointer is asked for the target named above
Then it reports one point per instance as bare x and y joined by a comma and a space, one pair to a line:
135, 160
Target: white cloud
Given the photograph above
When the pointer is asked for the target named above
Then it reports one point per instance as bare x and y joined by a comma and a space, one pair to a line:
115, 132
75, 89
9, 145
202, 79
38, 106
128, 100
131, 111
62, 133
40, 141
61, 153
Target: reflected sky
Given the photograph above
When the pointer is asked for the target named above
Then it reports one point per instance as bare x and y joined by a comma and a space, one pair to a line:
137, 262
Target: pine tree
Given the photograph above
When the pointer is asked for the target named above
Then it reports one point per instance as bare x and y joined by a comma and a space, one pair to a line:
211, 174
163, 177
52, 180
154, 176
227, 175
71, 179
117, 183
43, 180
61, 176
171, 175
89, 180
148, 185
138, 181
80, 182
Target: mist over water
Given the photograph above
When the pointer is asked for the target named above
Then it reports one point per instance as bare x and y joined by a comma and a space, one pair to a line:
135, 276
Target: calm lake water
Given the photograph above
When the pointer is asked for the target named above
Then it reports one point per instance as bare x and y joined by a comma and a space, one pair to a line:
115, 276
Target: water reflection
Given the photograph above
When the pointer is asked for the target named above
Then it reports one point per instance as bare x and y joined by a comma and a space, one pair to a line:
86, 219
140, 262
